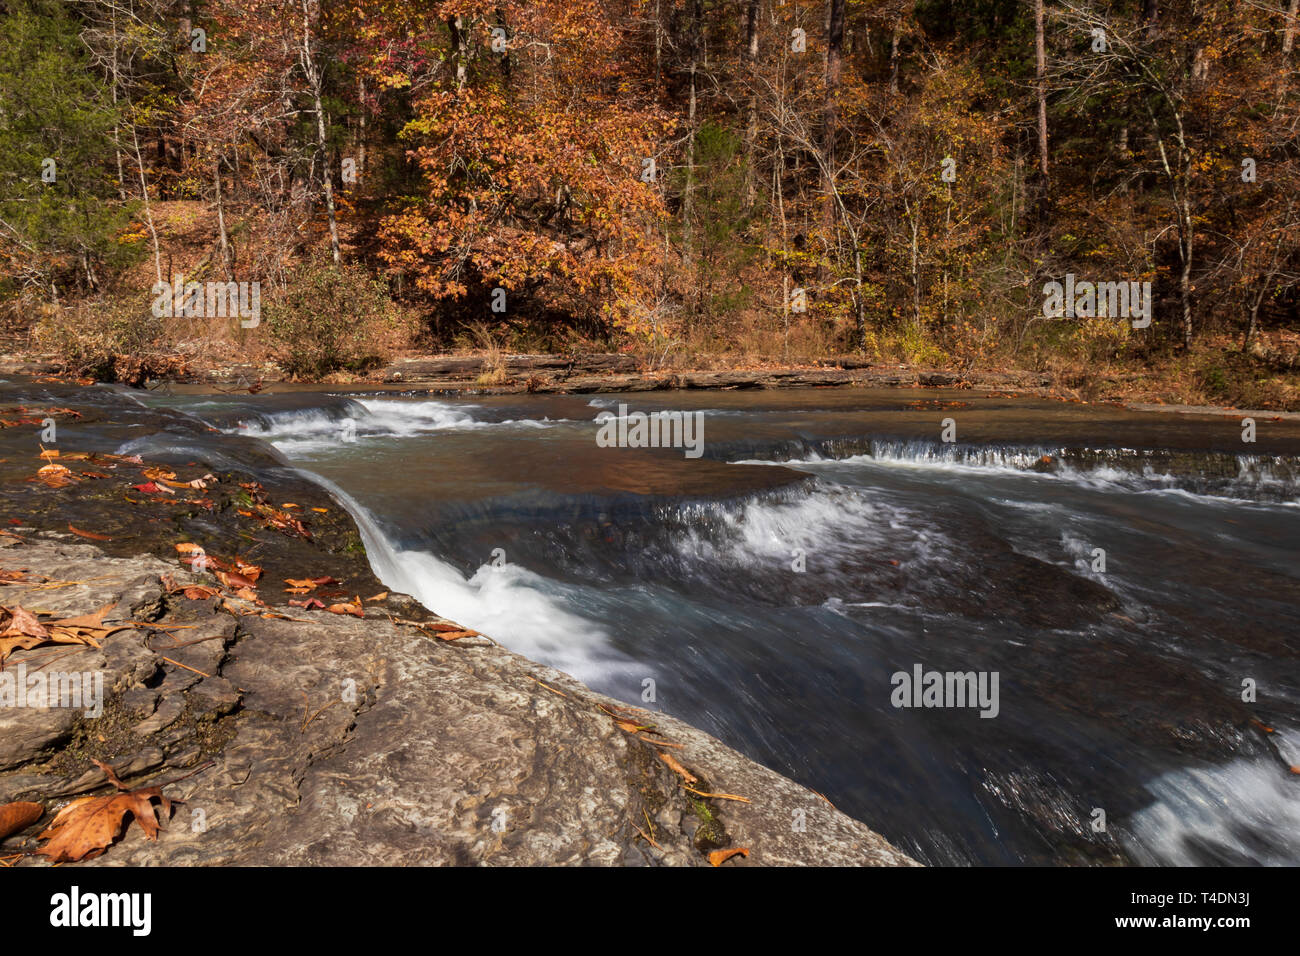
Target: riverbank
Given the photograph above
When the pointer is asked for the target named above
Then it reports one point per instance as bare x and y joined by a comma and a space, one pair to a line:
305, 714
596, 373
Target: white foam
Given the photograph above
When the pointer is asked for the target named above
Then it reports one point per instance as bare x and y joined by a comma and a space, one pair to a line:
1247, 809
512, 605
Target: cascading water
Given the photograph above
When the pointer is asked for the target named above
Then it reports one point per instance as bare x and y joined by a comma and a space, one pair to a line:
1122, 574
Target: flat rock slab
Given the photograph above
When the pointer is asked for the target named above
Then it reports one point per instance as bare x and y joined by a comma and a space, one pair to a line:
332, 740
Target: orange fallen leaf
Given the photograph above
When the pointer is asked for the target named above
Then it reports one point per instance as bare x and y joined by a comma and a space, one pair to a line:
355, 609
18, 816
17, 621
719, 857
233, 579
85, 828
93, 536
382, 595
321, 510
678, 769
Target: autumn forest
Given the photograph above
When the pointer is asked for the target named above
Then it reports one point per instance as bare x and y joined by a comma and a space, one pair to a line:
761, 181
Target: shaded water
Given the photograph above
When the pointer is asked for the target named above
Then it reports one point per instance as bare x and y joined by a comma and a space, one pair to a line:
828, 540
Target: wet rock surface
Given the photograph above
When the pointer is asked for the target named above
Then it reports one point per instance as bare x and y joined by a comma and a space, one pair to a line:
330, 739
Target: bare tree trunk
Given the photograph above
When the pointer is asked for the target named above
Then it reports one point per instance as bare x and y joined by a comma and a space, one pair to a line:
315, 77
362, 128
148, 209
507, 64
778, 190
834, 66
688, 195
221, 218
460, 50
659, 47
751, 126
893, 53
1185, 278
1040, 72
117, 132
1288, 37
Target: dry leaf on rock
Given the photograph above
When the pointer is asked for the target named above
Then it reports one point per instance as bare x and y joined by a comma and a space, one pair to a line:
719, 857
85, 828
678, 768
18, 816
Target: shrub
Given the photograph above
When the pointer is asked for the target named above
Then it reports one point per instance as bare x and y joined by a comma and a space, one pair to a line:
332, 318
114, 340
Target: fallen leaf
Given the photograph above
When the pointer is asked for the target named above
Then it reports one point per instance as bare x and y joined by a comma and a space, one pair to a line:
719, 857
381, 596
95, 619
85, 828
355, 609
18, 816
93, 536
233, 579
307, 604
21, 622
678, 769
153, 488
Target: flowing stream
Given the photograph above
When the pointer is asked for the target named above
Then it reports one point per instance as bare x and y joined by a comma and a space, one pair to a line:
1128, 578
